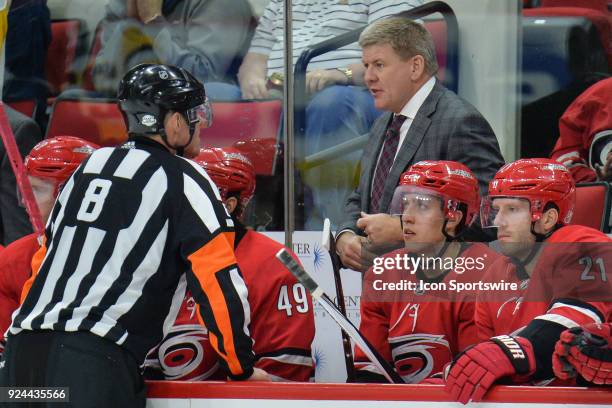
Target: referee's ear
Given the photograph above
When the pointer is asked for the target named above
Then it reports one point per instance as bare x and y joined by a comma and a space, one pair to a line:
230, 204
172, 126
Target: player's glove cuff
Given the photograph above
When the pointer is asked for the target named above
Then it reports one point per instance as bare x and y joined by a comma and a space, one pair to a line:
476, 369
519, 352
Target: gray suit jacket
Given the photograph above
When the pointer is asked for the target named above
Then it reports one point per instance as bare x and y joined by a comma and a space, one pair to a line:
445, 128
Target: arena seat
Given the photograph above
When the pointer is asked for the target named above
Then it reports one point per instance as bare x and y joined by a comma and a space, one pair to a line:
242, 120
593, 206
94, 119
26, 106
66, 43
439, 34
99, 120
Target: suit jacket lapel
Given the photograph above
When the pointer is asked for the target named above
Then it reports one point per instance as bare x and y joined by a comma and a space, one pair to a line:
411, 143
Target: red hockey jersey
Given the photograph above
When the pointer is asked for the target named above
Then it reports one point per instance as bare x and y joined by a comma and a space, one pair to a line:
568, 285
417, 333
15, 270
588, 115
282, 322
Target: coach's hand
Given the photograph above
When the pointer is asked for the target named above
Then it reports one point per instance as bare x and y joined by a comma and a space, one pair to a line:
381, 229
350, 248
475, 370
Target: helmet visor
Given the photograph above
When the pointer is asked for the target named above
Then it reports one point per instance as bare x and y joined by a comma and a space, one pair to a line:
415, 199
201, 114
498, 211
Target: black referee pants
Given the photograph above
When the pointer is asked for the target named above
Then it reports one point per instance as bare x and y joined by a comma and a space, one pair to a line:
97, 372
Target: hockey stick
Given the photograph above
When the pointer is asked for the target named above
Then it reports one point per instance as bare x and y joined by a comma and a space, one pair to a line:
329, 244
23, 183
344, 323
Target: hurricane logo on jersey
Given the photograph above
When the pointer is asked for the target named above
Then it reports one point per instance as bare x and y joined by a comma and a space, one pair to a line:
416, 356
186, 354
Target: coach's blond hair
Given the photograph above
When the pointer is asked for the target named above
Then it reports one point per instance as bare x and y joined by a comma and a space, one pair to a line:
406, 37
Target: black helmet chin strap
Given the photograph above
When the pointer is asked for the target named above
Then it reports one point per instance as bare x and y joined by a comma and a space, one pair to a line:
521, 264
449, 238
542, 237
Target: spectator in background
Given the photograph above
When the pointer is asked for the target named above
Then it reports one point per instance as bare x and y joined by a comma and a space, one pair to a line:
27, 40
423, 121
585, 142
205, 37
14, 221
340, 108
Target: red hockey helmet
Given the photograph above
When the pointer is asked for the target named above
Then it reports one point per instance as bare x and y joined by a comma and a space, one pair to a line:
262, 152
230, 170
539, 181
57, 158
451, 181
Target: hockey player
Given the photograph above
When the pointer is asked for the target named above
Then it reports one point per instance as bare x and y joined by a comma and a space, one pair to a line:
585, 353
282, 318
530, 202
416, 330
48, 165
132, 229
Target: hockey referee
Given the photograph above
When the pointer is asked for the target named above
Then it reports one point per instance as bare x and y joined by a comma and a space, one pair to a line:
132, 229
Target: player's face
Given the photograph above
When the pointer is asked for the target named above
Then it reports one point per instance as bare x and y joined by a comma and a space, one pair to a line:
513, 222
422, 221
387, 77
44, 193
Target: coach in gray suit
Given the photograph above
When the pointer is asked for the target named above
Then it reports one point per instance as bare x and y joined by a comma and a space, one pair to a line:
425, 121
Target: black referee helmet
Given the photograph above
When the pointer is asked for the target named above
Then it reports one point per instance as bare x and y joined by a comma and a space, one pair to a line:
148, 92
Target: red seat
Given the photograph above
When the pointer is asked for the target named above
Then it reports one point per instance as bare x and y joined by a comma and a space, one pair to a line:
94, 119
62, 53
234, 121
26, 106
438, 31
593, 206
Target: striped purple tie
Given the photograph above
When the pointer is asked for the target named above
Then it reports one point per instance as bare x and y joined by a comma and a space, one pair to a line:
385, 161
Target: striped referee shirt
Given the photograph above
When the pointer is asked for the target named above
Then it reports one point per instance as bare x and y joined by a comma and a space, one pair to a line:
318, 20
133, 228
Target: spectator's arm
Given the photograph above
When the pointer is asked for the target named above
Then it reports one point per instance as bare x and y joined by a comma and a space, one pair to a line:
252, 76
